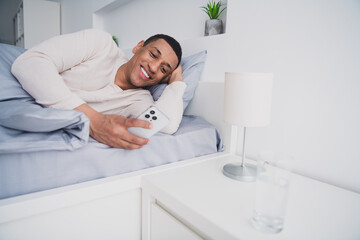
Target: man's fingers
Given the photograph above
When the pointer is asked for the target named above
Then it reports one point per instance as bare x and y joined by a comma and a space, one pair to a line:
133, 122
131, 138
166, 79
125, 141
127, 145
176, 75
112, 130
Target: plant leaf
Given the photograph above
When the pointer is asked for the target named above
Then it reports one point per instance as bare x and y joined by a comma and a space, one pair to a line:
212, 9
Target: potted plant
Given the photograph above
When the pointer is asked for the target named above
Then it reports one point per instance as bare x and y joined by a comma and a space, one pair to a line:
213, 25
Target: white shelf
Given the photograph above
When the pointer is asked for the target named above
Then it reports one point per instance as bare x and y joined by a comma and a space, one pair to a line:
114, 17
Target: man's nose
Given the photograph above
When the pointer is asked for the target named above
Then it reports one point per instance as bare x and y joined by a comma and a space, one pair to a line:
154, 65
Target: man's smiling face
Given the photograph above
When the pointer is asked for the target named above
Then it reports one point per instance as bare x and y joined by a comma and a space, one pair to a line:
150, 64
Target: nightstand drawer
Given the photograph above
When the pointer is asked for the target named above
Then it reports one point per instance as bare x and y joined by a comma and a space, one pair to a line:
165, 226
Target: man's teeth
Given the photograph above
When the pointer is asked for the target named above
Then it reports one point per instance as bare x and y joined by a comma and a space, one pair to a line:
144, 72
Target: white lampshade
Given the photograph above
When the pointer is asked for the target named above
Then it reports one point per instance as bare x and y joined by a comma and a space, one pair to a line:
248, 98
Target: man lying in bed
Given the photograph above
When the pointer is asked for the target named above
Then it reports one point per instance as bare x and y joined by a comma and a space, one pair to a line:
87, 72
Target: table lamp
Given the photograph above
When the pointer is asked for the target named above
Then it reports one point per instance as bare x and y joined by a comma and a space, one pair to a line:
247, 103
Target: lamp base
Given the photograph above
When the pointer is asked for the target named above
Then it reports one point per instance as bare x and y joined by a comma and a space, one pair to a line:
245, 173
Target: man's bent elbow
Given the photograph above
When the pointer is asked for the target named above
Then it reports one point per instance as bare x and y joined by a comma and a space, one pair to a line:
15, 67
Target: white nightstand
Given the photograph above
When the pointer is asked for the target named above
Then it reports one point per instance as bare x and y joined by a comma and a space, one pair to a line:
197, 201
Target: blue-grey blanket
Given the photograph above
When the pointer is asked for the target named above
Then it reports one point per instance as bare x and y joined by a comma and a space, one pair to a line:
26, 126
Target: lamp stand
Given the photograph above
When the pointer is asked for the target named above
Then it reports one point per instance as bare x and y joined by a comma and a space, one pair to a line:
241, 172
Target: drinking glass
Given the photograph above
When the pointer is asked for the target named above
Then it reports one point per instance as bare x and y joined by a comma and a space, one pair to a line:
272, 183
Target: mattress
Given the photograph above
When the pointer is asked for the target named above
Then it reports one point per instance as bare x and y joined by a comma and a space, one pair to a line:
28, 172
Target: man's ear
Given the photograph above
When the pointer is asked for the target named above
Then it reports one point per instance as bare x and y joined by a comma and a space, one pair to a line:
138, 46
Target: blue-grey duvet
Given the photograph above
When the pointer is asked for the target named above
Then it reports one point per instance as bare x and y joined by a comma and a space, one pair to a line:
43, 148
26, 126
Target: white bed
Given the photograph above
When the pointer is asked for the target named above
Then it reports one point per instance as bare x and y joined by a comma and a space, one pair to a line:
110, 208
107, 208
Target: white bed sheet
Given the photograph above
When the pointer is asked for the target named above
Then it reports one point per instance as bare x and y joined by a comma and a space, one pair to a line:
22, 173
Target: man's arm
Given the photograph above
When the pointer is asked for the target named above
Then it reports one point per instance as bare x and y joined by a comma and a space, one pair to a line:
38, 70
171, 101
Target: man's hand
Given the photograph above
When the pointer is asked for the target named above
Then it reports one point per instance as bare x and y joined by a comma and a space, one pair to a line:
112, 129
176, 75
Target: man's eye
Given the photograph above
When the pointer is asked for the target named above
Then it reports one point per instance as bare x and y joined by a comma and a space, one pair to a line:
163, 70
152, 55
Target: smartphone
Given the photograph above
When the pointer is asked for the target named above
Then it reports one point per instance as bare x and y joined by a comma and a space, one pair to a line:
155, 117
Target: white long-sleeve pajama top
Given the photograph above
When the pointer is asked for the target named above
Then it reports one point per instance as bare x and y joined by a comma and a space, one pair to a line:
69, 70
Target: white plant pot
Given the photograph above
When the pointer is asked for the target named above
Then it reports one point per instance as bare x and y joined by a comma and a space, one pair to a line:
213, 27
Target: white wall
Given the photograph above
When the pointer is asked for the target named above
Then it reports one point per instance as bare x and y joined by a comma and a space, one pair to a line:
76, 15
35, 12
41, 21
311, 46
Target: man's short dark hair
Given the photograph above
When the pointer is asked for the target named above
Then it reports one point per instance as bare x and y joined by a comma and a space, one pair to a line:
175, 45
